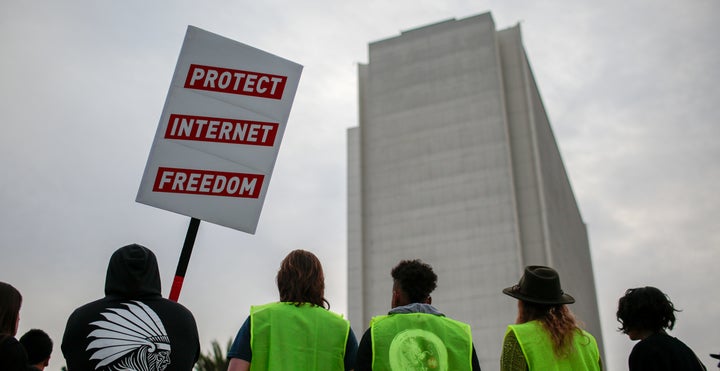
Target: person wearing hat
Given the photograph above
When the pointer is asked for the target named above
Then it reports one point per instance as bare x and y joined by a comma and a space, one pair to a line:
546, 336
716, 356
644, 314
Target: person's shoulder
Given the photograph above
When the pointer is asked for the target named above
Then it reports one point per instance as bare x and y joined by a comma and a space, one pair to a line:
661, 349
165, 306
89, 306
171, 303
86, 311
158, 305
11, 351
588, 335
453, 320
335, 315
366, 334
8, 342
657, 339
652, 344
678, 344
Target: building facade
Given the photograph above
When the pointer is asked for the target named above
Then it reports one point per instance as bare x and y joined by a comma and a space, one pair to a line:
454, 162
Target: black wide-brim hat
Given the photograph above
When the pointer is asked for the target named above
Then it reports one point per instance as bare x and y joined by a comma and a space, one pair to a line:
539, 285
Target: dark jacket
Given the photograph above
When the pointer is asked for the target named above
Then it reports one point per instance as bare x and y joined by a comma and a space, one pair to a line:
662, 352
133, 326
12, 354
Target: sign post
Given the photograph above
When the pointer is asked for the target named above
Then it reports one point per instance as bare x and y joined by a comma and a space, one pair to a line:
184, 259
218, 136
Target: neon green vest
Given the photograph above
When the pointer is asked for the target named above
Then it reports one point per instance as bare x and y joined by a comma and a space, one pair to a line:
538, 349
285, 337
420, 341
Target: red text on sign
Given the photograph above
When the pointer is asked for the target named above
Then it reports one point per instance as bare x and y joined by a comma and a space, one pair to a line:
225, 80
213, 129
208, 182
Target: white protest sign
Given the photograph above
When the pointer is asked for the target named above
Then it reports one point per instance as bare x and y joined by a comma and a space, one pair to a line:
220, 131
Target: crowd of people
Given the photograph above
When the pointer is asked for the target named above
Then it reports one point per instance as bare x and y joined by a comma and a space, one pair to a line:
32, 351
134, 328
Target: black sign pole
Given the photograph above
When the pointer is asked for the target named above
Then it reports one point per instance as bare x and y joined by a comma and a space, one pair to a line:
184, 259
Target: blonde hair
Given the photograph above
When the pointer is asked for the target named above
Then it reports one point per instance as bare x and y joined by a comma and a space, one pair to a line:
558, 321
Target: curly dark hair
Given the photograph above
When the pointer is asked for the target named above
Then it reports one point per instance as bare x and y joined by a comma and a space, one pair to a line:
301, 280
645, 308
415, 278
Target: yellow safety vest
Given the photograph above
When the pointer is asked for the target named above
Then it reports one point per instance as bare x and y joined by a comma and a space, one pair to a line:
539, 354
286, 337
420, 341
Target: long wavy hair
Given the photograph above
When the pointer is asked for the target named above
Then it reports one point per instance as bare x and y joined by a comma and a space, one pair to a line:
559, 322
301, 280
10, 302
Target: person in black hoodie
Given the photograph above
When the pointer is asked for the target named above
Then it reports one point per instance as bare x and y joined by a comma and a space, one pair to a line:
133, 327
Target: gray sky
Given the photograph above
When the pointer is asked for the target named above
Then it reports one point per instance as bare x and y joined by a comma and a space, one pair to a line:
631, 89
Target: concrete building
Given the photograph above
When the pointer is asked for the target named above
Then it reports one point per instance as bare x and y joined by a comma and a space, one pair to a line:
454, 162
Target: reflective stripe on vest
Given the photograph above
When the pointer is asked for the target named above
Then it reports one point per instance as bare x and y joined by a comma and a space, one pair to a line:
285, 337
420, 341
539, 354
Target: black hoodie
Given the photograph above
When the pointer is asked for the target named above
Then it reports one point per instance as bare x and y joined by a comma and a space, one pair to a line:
133, 326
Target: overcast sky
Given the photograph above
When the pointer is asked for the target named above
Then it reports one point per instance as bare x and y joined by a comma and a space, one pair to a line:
631, 89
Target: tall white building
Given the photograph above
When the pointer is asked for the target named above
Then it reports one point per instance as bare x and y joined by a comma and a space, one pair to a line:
454, 162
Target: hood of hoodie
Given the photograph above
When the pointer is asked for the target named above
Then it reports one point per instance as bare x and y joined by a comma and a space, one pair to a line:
133, 273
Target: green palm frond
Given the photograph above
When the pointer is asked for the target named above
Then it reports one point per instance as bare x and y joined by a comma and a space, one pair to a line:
215, 359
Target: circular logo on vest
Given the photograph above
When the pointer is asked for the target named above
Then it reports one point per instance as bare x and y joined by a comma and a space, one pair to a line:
418, 350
